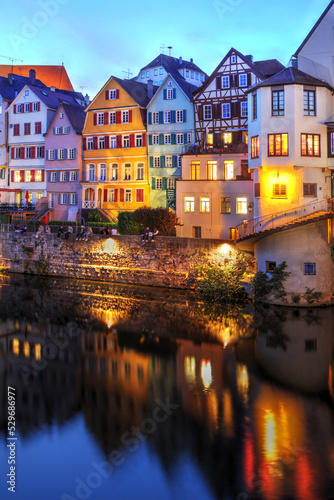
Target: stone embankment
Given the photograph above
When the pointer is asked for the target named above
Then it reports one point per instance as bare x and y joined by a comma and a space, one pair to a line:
168, 262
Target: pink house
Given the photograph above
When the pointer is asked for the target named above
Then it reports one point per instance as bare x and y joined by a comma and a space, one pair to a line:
63, 162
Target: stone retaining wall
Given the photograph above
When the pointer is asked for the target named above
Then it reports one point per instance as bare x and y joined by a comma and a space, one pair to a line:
168, 262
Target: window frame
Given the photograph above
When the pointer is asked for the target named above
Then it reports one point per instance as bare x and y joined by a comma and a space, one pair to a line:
189, 204
277, 102
275, 137
306, 150
225, 204
255, 147
307, 102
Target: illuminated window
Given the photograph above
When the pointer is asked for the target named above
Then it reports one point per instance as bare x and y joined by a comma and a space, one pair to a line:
127, 172
190, 369
309, 103
255, 147
205, 205
279, 190
114, 172
195, 170
228, 170
16, 347
26, 349
310, 144
38, 351
227, 137
278, 102
225, 205
212, 170
206, 373
17, 176
189, 204
168, 161
278, 145
270, 266
28, 176
310, 190
210, 139
241, 206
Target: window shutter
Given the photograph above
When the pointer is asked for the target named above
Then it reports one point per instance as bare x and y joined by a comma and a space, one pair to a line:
234, 109
21, 175
106, 118
185, 138
65, 154
132, 140
14, 109
38, 106
151, 161
116, 195
12, 176
84, 143
33, 176
249, 79
153, 182
118, 141
150, 140
118, 117
55, 154
117, 93
43, 152
33, 152
74, 153
161, 117
95, 118
143, 138
257, 190
174, 161
94, 142
231, 81
161, 138
149, 118
121, 194
106, 142
43, 175
172, 116
67, 176
218, 82
130, 115
162, 161
173, 138
12, 153
107, 95
200, 111
184, 115
174, 93
137, 195
165, 94
49, 176
53, 130
105, 195
164, 183
59, 199
57, 176
22, 154
30, 107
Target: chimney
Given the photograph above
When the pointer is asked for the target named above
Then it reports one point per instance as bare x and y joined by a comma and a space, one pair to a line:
180, 60
191, 60
150, 89
249, 57
294, 62
53, 89
10, 78
32, 76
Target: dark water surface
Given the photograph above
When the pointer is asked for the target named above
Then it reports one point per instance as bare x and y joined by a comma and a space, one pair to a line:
128, 393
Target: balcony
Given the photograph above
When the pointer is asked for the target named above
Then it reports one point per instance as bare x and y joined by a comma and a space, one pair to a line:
241, 148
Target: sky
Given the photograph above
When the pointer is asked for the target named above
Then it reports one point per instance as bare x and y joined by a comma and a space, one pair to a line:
98, 39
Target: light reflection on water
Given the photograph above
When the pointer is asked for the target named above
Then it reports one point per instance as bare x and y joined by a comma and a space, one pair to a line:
129, 393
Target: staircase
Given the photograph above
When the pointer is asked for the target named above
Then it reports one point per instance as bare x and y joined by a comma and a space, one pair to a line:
109, 215
297, 216
41, 213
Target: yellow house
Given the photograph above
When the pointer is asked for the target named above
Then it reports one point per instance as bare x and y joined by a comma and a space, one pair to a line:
115, 173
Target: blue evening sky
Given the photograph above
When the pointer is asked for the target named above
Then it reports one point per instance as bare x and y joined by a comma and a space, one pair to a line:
98, 39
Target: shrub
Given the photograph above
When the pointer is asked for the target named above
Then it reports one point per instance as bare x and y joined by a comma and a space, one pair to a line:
94, 216
161, 218
128, 225
310, 295
260, 285
295, 297
221, 284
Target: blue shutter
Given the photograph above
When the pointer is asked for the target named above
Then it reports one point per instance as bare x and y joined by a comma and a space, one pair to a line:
67, 176
57, 176
184, 115
174, 93
173, 138
164, 183
174, 161
48, 176
59, 199
61, 130
150, 140
153, 182
151, 161
172, 116
149, 117
75, 199
65, 154
185, 138
162, 161
165, 93
161, 117
74, 153
161, 138
53, 130
56, 154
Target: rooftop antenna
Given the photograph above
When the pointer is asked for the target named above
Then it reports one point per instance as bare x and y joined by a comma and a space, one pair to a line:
163, 48
128, 74
170, 50
12, 59
82, 87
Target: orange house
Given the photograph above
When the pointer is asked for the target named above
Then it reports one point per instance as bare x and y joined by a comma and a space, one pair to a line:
115, 173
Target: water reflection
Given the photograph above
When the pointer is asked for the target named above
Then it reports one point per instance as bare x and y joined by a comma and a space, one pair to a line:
195, 405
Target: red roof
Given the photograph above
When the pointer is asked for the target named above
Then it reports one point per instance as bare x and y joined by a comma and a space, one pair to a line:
51, 76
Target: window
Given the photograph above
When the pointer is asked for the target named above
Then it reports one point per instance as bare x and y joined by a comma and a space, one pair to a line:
28, 153
179, 139
147, 74
125, 116
38, 175
16, 129
241, 206
61, 154
26, 107
170, 183
140, 171
168, 161
310, 190
233, 59
61, 115
226, 110
228, 170
167, 117
103, 172
92, 172
126, 141
158, 183
114, 172
100, 118
310, 345
139, 140
26, 92
161, 71
90, 143
255, 147
278, 145
155, 139
113, 142
179, 116
28, 176
254, 106
197, 232
72, 198
195, 170
67, 129
207, 112
310, 144
212, 170
156, 161
191, 74
58, 130
143, 75
111, 196
189, 138
71, 153
38, 127
54, 176
204, 205
17, 153
243, 80
179, 161
170, 93
225, 205
167, 139
244, 109
63, 176
39, 151
155, 117
127, 172
64, 199
17, 176
309, 268
270, 266
112, 117
73, 176
189, 204
279, 190
112, 94
309, 103
101, 142
278, 102
187, 73
35, 106
196, 76
27, 129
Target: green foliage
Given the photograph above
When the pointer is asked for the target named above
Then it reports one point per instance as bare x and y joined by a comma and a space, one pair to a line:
3, 269
28, 250
295, 297
161, 218
128, 225
261, 285
42, 265
221, 284
94, 216
310, 295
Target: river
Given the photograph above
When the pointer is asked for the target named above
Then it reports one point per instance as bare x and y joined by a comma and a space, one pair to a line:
113, 392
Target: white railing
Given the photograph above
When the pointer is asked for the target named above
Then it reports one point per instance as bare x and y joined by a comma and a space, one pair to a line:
89, 204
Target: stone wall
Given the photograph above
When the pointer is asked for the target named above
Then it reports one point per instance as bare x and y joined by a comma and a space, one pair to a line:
168, 262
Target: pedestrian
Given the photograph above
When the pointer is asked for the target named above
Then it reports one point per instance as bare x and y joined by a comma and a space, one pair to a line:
40, 230
48, 230
155, 232
146, 235
60, 232
68, 232
80, 233
88, 232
